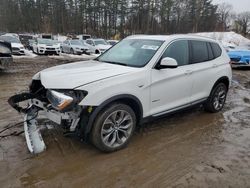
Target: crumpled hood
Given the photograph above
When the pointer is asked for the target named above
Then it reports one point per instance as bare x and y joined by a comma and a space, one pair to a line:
73, 75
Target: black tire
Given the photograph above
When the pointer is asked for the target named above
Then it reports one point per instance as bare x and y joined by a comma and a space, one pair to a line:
71, 51
217, 98
97, 136
62, 50
97, 52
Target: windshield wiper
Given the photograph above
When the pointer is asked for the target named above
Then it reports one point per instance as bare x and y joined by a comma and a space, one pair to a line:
116, 63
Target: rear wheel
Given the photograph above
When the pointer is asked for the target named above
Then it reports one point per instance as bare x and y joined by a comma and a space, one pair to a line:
217, 98
113, 127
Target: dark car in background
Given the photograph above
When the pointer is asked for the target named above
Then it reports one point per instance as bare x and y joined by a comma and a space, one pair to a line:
30, 44
24, 38
5, 54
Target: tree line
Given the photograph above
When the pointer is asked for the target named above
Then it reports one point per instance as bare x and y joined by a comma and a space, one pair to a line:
107, 18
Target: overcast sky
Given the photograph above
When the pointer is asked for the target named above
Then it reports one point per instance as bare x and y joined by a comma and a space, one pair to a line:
238, 5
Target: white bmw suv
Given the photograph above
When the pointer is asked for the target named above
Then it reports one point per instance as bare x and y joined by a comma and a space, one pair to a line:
140, 78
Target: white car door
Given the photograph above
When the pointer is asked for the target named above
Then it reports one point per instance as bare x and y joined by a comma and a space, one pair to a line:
171, 87
204, 69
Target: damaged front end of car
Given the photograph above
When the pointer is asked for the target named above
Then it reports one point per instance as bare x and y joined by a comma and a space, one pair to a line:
58, 106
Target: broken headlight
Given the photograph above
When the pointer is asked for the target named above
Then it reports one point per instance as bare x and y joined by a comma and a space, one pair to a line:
64, 100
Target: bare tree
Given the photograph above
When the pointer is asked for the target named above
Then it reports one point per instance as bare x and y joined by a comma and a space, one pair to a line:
243, 21
225, 12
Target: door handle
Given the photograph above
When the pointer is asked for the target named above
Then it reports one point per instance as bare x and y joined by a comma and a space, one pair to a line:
188, 72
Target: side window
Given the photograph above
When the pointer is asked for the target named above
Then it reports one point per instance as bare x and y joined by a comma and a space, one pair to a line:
199, 51
210, 52
216, 50
179, 51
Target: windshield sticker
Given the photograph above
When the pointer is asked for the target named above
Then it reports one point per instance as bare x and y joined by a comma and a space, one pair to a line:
149, 47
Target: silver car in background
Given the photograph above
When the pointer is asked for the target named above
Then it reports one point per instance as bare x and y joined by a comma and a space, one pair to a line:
74, 46
97, 46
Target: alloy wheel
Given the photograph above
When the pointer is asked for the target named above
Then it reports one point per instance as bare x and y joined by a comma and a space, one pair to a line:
116, 128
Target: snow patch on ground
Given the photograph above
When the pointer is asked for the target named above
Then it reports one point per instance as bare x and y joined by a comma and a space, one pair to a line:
226, 38
28, 54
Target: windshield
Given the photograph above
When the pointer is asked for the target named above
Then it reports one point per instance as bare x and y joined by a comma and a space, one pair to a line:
10, 39
101, 41
75, 42
45, 41
131, 52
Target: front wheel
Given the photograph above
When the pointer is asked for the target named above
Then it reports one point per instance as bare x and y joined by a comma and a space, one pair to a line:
217, 98
71, 51
113, 127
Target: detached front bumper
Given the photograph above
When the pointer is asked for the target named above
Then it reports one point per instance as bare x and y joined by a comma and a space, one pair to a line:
32, 132
37, 109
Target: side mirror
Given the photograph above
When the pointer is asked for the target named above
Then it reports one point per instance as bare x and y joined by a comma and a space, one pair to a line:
168, 62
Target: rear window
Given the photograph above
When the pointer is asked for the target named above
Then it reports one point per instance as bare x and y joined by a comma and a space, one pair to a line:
216, 50
199, 51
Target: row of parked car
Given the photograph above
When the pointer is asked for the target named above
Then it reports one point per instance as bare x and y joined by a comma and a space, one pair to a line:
71, 46
44, 44
13, 44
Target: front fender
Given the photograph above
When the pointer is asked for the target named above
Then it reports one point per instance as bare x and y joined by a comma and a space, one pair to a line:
89, 123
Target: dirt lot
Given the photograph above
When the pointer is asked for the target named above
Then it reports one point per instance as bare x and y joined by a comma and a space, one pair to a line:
190, 149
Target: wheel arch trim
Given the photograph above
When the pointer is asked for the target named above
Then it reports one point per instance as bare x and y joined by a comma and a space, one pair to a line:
98, 109
222, 79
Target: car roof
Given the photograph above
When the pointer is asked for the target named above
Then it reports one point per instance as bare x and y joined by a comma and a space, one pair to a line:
171, 37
